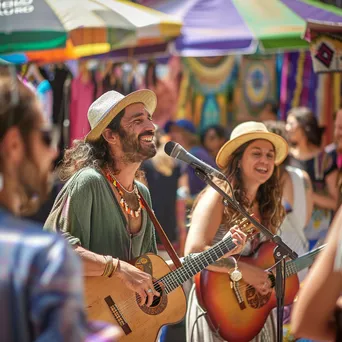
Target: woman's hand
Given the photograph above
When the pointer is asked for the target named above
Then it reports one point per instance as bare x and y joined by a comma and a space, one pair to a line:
256, 277
239, 239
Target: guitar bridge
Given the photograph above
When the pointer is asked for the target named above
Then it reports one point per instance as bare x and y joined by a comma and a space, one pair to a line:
117, 315
235, 286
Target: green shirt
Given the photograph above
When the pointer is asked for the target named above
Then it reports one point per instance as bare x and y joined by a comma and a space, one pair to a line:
87, 213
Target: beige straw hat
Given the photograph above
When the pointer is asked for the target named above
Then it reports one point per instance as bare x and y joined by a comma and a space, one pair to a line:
248, 131
103, 110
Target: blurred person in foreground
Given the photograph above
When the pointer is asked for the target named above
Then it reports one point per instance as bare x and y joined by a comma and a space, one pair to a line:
213, 138
305, 136
317, 311
40, 276
250, 161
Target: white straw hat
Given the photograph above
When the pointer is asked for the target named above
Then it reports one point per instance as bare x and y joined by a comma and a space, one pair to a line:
103, 110
248, 131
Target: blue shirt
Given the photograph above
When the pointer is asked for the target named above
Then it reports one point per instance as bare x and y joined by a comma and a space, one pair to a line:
41, 286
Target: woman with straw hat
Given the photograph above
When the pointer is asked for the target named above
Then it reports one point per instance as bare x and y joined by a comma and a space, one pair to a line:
250, 161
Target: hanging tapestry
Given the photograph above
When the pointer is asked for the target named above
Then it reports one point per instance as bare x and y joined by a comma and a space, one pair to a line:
206, 90
326, 52
301, 86
257, 84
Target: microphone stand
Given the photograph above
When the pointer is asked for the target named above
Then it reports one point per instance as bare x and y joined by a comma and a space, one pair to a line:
280, 253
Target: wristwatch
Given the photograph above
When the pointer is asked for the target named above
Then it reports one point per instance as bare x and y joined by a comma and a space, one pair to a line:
236, 275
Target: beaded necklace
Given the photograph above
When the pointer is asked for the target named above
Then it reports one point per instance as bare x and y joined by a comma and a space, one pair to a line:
123, 203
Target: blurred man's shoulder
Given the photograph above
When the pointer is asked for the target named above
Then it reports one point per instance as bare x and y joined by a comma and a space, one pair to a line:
15, 230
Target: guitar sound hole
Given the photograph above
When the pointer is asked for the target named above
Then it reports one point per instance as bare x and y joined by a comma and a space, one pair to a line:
158, 305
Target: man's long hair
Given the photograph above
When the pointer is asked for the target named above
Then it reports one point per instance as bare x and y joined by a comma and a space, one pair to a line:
89, 154
268, 196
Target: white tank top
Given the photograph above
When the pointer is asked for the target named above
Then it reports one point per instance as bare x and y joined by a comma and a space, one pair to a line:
292, 228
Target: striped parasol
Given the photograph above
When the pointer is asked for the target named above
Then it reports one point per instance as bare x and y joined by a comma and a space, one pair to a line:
222, 27
75, 28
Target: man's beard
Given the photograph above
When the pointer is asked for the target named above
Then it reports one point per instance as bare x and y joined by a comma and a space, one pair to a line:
134, 152
34, 187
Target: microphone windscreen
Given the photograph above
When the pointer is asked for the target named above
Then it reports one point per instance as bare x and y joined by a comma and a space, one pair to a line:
169, 146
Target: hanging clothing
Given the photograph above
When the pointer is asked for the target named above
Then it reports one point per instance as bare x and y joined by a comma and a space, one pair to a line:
82, 96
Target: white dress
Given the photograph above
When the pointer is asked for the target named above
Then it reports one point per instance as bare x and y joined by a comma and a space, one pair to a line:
292, 229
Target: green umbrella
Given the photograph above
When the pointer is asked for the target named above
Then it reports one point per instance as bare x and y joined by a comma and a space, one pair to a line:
88, 26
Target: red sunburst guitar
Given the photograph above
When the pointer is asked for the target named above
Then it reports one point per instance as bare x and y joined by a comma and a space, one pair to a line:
109, 300
238, 314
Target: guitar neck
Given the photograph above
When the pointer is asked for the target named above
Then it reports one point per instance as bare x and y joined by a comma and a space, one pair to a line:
304, 261
196, 263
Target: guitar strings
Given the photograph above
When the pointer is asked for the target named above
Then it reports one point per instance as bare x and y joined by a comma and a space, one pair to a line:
183, 272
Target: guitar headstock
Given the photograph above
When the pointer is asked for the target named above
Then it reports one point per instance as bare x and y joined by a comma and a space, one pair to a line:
246, 226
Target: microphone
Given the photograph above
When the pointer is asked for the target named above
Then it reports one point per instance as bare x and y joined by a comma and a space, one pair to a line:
176, 151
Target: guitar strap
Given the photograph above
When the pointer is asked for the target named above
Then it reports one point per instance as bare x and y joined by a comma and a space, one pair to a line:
164, 239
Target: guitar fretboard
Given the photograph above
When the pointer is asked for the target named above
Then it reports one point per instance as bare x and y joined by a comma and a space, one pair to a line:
304, 261
196, 263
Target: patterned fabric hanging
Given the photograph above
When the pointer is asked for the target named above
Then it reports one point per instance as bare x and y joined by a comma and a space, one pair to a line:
206, 90
257, 84
301, 86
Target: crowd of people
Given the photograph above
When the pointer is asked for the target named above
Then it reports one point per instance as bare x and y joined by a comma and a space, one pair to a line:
99, 222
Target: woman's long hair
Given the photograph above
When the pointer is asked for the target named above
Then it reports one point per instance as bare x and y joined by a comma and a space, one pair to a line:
268, 196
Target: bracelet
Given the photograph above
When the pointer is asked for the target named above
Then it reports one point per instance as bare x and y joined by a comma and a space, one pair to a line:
236, 275
109, 266
114, 268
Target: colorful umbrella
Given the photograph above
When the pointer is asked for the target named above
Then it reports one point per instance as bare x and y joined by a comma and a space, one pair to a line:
85, 27
221, 27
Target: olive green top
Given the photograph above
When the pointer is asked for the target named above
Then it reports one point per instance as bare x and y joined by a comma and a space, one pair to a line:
87, 213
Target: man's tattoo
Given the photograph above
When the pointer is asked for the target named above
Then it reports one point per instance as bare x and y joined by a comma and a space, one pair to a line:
225, 262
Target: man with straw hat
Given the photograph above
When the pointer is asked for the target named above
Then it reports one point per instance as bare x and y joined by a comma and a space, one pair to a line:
99, 210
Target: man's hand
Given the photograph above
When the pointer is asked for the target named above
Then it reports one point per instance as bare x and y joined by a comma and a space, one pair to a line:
138, 281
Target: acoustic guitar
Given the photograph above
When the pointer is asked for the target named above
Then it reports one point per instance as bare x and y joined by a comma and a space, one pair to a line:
109, 300
237, 311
